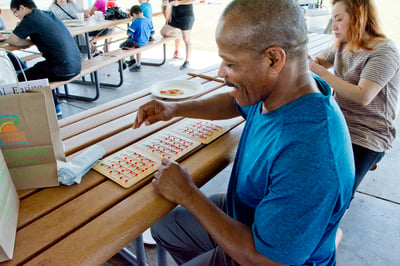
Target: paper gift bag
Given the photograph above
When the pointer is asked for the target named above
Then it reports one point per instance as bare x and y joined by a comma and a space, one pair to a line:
30, 138
9, 204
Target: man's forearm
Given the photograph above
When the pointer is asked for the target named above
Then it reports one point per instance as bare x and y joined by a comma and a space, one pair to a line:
14, 40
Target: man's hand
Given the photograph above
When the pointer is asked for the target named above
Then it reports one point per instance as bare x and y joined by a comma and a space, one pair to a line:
173, 182
152, 112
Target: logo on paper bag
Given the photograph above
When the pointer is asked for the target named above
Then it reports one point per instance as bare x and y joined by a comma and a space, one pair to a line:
9, 132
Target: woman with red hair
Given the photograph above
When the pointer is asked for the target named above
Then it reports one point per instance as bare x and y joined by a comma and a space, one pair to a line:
366, 80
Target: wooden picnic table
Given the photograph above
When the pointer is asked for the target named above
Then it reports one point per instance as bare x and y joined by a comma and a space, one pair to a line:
88, 223
92, 24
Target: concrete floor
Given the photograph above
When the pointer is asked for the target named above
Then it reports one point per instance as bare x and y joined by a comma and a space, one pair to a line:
372, 225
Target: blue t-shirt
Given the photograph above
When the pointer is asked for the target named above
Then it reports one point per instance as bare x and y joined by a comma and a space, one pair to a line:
293, 177
140, 30
53, 40
147, 10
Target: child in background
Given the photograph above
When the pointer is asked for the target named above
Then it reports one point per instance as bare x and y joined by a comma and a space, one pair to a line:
148, 13
139, 34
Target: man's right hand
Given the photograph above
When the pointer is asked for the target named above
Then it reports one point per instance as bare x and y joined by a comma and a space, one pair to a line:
152, 112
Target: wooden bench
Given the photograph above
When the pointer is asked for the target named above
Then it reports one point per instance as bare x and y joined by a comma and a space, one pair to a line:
118, 34
92, 65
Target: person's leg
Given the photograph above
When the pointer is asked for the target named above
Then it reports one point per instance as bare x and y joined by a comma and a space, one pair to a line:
169, 31
188, 45
177, 44
364, 160
39, 71
42, 70
186, 35
137, 66
138, 59
17, 62
185, 239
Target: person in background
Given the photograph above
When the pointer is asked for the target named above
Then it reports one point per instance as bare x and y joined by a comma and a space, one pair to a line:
65, 9
365, 79
148, 13
18, 64
179, 22
139, 33
111, 3
53, 40
293, 174
99, 5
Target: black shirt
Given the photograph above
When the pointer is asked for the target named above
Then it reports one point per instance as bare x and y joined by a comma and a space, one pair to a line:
53, 40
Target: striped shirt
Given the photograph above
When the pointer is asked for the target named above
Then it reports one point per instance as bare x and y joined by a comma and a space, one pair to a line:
370, 126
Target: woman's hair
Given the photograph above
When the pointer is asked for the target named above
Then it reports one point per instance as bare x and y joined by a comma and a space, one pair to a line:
363, 19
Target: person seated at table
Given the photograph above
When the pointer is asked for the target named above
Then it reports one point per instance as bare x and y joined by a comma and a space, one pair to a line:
53, 40
65, 9
366, 80
139, 34
17, 62
99, 5
293, 173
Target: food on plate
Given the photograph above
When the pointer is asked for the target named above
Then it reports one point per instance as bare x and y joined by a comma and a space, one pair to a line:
172, 92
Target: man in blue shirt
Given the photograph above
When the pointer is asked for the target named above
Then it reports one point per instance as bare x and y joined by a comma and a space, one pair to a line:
53, 40
293, 173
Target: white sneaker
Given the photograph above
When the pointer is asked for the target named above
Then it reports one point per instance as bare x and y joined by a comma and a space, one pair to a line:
147, 238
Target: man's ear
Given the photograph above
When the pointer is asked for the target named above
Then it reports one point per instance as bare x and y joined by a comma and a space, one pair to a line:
276, 57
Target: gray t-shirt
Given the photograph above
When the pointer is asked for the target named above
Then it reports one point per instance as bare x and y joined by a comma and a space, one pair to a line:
71, 8
370, 126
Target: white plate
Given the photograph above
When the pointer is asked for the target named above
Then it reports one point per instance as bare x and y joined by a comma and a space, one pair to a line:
188, 87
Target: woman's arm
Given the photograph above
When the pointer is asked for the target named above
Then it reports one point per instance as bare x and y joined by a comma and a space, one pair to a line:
362, 93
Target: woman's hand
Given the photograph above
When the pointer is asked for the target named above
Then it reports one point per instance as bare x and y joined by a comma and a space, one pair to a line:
317, 68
